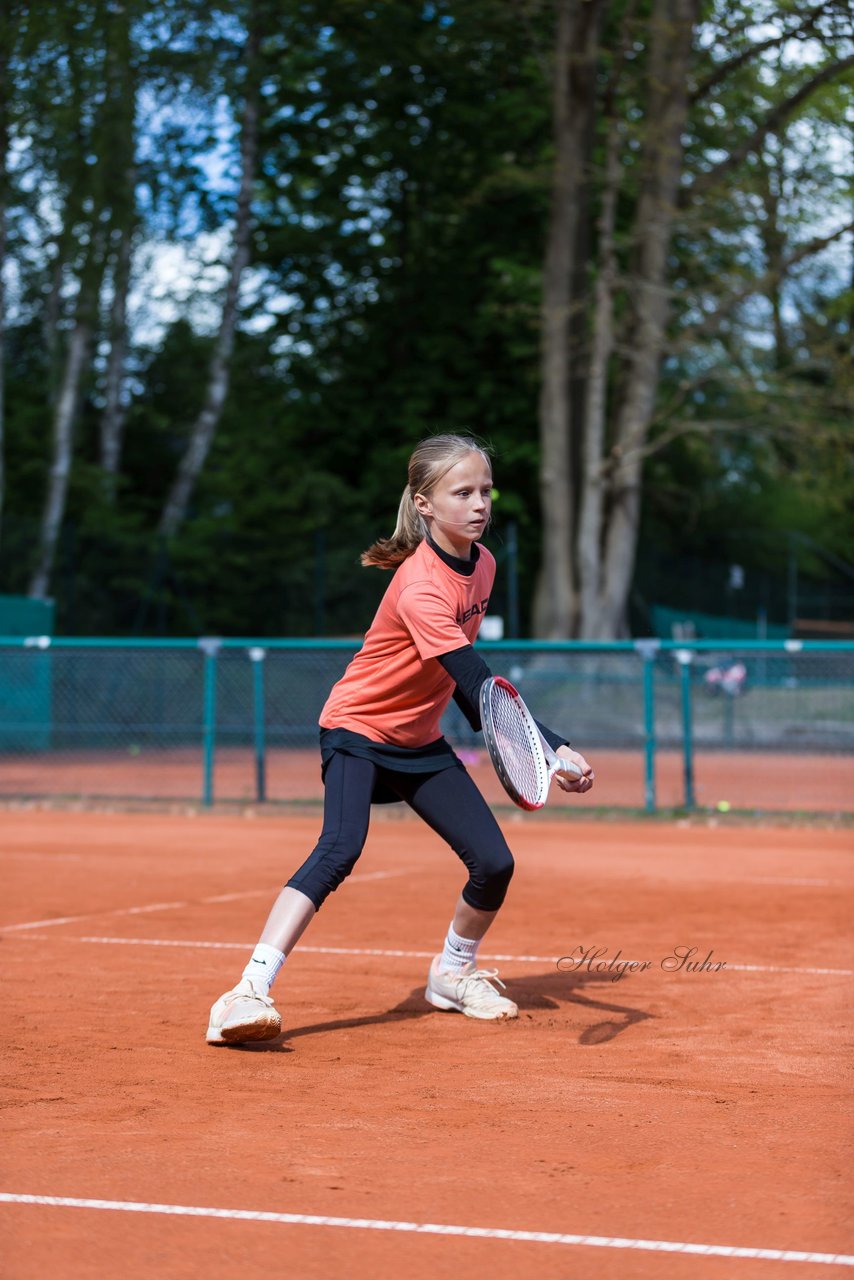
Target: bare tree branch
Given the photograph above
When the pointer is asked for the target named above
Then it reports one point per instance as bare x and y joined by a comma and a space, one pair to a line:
776, 117
725, 69
733, 300
640, 450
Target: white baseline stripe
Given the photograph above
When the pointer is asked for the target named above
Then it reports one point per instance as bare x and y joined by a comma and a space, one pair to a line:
405, 955
174, 906
438, 1229
92, 915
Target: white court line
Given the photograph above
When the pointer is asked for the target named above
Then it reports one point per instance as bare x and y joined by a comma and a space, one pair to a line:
438, 1229
174, 906
388, 953
364, 878
92, 915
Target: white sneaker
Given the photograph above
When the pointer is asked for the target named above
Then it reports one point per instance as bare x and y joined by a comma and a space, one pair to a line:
244, 1013
470, 991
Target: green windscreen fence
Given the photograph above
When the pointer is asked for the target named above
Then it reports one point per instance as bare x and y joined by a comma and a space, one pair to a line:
25, 677
708, 723
690, 624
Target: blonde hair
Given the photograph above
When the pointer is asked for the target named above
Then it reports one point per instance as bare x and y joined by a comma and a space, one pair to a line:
430, 460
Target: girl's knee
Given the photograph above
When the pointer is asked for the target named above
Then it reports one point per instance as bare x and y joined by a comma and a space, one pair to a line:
487, 888
503, 868
503, 875
330, 863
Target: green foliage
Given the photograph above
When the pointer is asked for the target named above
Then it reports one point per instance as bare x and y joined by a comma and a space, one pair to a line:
400, 216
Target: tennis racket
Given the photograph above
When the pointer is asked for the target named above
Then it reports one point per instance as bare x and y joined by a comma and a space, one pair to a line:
524, 762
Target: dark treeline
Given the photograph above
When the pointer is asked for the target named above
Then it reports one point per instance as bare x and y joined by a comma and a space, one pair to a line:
255, 250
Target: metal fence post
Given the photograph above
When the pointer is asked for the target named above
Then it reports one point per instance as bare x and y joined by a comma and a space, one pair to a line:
648, 649
257, 656
729, 720
210, 647
685, 658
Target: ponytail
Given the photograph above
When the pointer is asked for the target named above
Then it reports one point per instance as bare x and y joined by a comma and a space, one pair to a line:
388, 553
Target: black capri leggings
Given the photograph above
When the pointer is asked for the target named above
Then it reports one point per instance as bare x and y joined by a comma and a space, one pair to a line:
448, 801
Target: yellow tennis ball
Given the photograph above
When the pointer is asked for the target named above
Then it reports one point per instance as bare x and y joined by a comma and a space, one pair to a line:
724, 806
495, 495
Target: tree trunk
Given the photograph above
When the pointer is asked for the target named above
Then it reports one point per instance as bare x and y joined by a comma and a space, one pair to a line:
60, 471
81, 246
219, 374
3, 214
672, 32
113, 417
121, 103
6, 32
2, 352
770, 174
589, 540
556, 605
555, 600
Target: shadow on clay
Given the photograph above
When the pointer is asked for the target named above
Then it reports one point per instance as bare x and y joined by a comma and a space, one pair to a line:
534, 994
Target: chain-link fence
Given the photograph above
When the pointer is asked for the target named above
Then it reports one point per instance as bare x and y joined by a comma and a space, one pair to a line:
762, 726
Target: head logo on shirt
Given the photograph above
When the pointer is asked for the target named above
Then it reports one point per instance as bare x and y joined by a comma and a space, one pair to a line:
475, 611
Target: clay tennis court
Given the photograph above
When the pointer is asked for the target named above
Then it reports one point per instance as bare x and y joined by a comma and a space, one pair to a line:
756, 781
668, 1124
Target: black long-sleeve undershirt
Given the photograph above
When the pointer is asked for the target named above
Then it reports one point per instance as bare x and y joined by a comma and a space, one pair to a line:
468, 671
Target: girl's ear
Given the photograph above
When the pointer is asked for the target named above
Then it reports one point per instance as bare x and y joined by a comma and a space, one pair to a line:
422, 505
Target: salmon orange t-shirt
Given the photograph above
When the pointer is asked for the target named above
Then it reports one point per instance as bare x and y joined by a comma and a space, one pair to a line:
395, 691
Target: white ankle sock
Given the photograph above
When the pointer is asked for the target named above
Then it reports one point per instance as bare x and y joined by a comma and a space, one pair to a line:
264, 965
458, 952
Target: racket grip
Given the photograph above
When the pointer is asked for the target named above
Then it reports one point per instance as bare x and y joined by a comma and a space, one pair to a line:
559, 764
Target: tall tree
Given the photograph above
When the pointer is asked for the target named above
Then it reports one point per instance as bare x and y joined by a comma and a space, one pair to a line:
219, 372
406, 185
564, 294
584, 581
120, 147
79, 99
631, 178
6, 38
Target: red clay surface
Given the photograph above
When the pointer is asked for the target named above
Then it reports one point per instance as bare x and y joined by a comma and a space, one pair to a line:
746, 780
701, 1108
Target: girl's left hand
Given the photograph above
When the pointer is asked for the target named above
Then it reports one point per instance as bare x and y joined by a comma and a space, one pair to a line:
570, 781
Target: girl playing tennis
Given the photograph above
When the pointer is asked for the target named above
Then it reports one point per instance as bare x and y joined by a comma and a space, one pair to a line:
380, 740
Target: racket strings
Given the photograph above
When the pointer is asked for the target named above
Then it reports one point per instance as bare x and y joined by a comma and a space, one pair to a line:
518, 742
